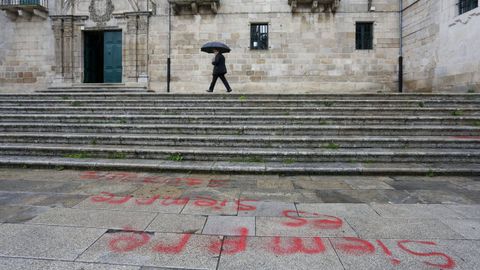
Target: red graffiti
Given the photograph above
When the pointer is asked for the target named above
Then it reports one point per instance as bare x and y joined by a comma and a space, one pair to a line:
148, 201
297, 246
149, 179
388, 253
200, 201
231, 245
325, 222
173, 249
353, 246
130, 242
449, 264
245, 207
103, 197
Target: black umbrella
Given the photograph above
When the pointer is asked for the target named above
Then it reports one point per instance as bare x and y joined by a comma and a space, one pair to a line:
210, 46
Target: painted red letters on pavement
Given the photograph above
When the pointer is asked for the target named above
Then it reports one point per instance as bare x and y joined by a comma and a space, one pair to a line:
170, 181
297, 246
126, 243
353, 246
388, 253
173, 249
449, 264
325, 222
232, 245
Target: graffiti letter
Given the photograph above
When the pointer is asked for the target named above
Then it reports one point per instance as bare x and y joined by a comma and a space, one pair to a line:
173, 249
449, 264
299, 222
231, 246
147, 201
106, 197
298, 246
356, 246
126, 243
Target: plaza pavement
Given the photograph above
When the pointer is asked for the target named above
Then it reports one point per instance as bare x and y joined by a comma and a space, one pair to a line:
60, 219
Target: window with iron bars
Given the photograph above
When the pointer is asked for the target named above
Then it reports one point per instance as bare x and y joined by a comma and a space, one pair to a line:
364, 36
259, 36
466, 5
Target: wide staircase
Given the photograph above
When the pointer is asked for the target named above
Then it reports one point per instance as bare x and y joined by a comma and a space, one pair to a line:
417, 134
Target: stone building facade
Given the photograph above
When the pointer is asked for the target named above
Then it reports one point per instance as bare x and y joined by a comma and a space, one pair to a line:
312, 45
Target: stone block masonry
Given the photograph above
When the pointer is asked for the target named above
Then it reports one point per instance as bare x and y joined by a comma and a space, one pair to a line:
310, 50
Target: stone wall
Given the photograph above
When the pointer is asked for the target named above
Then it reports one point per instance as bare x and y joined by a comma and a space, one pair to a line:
26, 54
441, 47
309, 52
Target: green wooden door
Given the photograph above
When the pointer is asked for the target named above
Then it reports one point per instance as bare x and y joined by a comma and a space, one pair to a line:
112, 57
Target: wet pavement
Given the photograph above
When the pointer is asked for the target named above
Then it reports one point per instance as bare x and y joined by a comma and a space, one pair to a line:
62, 219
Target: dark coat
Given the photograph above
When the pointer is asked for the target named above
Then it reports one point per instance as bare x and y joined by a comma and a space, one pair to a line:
219, 65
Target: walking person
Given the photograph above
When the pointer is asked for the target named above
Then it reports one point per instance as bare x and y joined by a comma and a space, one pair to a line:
219, 71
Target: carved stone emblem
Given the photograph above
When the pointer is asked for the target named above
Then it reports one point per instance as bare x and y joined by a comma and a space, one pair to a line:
101, 11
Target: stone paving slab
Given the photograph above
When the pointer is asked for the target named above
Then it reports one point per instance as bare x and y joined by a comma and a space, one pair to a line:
211, 206
38, 186
302, 227
369, 183
40, 199
367, 196
265, 209
19, 214
404, 258
92, 188
277, 196
414, 211
275, 184
401, 228
172, 223
194, 254
94, 218
340, 210
160, 205
467, 211
151, 190
441, 197
32, 264
468, 228
260, 253
225, 225
39, 175
321, 185
47, 242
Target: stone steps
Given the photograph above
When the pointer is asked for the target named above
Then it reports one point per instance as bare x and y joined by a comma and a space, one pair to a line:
328, 168
236, 103
243, 120
332, 111
345, 134
248, 155
235, 141
240, 98
272, 130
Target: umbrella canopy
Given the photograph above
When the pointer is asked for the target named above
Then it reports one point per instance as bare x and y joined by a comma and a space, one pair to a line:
210, 46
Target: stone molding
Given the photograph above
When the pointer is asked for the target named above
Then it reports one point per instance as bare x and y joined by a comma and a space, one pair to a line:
194, 5
315, 5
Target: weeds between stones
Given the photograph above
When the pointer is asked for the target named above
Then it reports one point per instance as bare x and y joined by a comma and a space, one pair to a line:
175, 157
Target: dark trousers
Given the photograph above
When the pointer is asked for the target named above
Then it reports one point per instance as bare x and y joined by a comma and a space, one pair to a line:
214, 81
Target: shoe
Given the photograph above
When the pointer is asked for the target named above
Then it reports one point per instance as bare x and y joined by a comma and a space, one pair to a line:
229, 90
209, 91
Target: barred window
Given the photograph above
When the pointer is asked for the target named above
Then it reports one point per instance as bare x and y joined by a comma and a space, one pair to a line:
364, 36
466, 5
259, 36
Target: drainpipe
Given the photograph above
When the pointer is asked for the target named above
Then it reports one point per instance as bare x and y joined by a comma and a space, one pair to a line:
169, 45
400, 57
